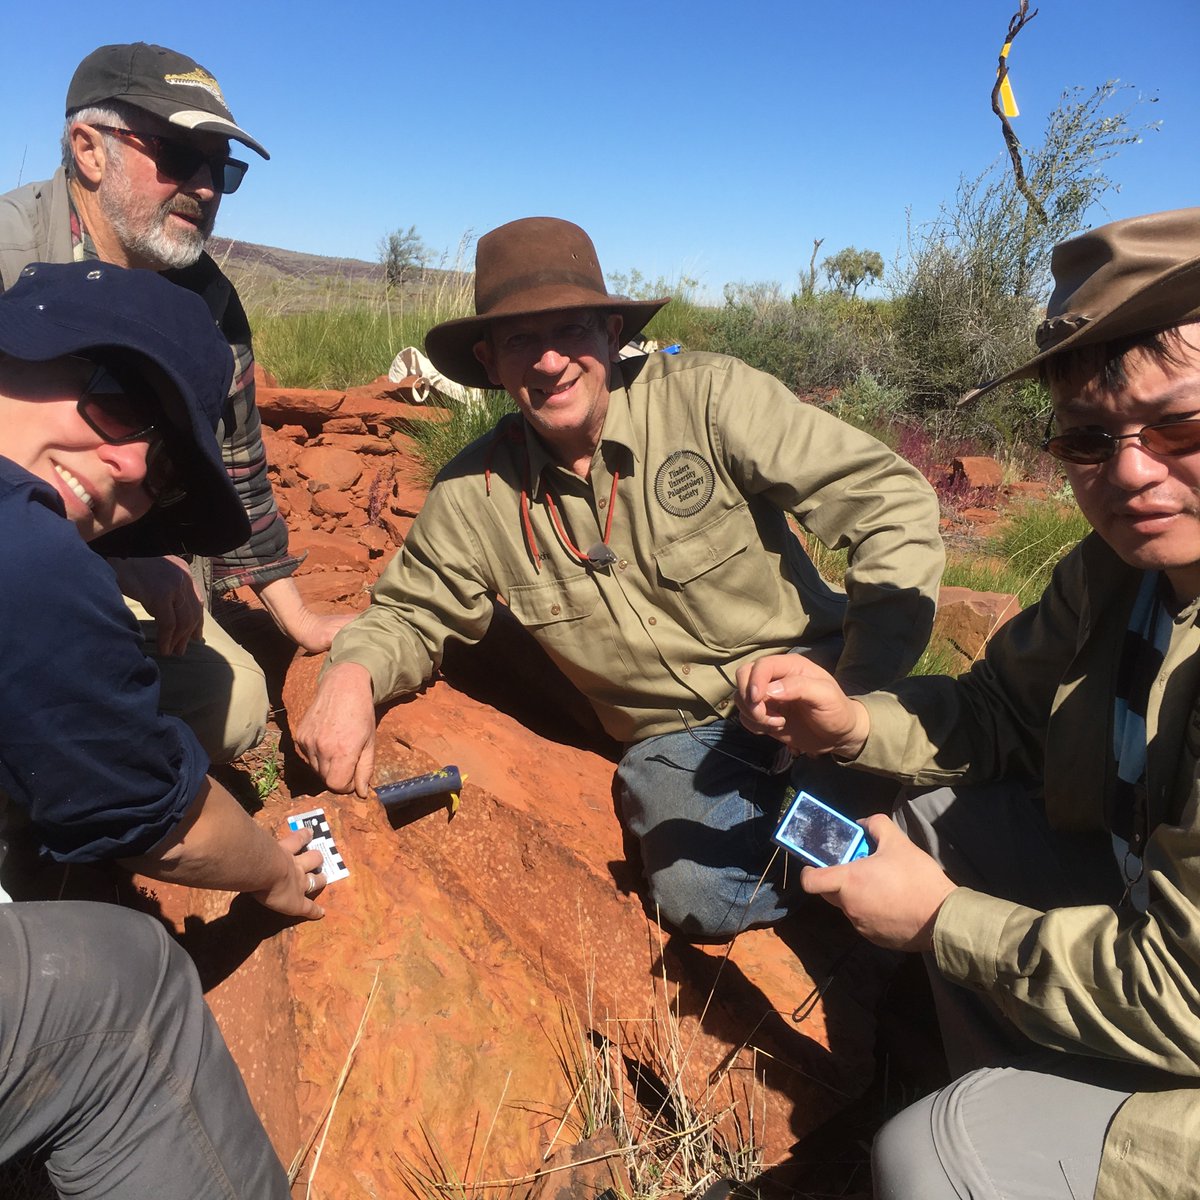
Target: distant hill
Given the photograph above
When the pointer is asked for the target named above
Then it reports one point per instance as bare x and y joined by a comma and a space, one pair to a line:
246, 259
290, 280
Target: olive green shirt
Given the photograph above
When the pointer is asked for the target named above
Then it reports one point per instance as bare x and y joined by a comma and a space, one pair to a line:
711, 457
1110, 982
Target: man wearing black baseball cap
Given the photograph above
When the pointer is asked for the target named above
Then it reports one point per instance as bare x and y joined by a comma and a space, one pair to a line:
1054, 885
111, 386
145, 163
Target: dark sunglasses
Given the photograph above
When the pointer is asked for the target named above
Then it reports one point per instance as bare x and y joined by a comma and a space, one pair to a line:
112, 413
1167, 439
179, 161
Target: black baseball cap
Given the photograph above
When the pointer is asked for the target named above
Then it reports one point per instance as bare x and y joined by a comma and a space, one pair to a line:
161, 81
163, 336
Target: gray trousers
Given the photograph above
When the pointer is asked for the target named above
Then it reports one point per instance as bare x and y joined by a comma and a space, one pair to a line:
112, 1066
1020, 1121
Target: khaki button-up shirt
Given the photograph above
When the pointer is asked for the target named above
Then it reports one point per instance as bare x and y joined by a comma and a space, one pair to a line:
710, 457
1109, 982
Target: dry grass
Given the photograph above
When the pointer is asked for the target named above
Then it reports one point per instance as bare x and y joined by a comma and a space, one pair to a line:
677, 1129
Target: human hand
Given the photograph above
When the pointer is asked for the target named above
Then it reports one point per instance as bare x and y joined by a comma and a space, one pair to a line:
313, 632
801, 705
299, 880
336, 736
164, 587
892, 896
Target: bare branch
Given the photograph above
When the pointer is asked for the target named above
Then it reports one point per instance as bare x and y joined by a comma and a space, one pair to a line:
1016, 23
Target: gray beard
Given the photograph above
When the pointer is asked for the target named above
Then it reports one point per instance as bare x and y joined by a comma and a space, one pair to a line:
149, 240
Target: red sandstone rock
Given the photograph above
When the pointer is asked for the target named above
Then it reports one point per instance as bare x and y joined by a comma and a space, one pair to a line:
330, 503
980, 517
329, 466
397, 526
376, 539
356, 443
307, 407
486, 927
979, 471
333, 591
1029, 489
966, 619
339, 551
407, 497
262, 377
281, 450
344, 424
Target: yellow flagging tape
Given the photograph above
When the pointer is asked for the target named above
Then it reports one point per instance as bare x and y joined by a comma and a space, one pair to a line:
1008, 102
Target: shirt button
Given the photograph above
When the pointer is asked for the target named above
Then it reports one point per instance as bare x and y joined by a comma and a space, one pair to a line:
555, 609
622, 564
652, 621
687, 670
601, 503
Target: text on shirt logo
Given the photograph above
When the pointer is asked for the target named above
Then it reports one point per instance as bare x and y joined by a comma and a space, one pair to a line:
685, 483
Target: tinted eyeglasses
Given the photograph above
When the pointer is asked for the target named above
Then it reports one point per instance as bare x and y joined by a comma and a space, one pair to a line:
179, 161
1089, 446
119, 417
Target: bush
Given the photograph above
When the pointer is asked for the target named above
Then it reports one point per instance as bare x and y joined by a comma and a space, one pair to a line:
975, 279
808, 343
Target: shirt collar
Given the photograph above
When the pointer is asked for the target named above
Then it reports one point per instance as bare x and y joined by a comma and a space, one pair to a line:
83, 249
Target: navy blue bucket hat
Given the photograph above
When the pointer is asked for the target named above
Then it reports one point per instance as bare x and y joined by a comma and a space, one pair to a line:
166, 337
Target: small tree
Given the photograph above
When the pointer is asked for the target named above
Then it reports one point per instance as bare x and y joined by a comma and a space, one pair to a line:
977, 276
849, 268
403, 255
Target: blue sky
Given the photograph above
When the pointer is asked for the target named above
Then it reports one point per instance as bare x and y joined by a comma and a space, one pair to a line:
711, 140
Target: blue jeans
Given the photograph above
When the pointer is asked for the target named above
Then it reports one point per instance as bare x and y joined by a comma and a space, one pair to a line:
112, 1065
703, 805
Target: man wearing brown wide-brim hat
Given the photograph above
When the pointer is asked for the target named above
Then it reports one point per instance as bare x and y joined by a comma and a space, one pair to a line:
1056, 888
633, 516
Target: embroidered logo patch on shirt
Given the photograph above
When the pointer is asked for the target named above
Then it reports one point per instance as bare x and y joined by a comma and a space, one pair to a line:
684, 483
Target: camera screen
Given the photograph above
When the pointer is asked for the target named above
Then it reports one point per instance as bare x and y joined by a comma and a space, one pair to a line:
818, 831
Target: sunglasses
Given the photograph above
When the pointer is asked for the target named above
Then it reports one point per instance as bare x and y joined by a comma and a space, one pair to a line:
118, 418
1088, 447
179, 161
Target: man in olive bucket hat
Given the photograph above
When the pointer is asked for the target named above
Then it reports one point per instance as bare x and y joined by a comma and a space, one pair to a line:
1056, 888
634, 516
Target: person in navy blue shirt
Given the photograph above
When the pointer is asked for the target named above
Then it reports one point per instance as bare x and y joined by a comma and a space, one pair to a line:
111, 386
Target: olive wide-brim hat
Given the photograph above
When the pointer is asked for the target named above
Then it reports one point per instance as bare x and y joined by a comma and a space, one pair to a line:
531, 266
1139, 275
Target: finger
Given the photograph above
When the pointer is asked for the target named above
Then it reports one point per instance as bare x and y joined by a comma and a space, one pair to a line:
310, 861
365, 769
822, 881
881, 828
295, 840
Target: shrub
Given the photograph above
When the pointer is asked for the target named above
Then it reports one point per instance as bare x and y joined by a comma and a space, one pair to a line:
807, 342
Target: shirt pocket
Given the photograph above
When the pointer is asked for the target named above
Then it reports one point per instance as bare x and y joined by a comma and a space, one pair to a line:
554, 609
717, 574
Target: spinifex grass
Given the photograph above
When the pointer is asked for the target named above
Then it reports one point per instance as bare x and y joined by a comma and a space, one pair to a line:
674, 1136
439, 441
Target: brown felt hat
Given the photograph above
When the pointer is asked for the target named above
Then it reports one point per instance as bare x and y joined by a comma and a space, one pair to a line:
535, 265
1139, 275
